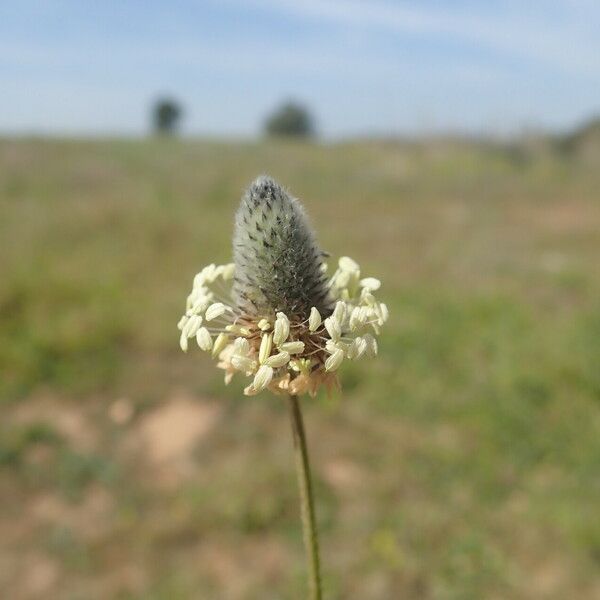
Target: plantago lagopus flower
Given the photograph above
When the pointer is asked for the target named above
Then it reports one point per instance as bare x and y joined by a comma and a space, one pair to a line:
274, 314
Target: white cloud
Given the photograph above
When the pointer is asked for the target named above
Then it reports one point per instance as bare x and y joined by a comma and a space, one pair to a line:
230, 74
565, 44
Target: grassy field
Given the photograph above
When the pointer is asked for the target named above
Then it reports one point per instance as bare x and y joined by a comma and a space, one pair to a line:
463, 463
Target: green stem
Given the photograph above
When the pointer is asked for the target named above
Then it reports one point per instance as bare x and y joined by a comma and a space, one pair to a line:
307, 505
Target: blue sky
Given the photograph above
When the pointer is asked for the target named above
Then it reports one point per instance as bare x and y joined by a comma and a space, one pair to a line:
89, 67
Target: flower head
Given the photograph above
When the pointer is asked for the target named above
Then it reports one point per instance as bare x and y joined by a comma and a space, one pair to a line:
279, 267
274, 314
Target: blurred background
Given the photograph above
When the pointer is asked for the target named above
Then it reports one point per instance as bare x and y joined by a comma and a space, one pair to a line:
451, 148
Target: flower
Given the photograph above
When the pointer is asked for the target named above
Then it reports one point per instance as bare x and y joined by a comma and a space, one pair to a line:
273, 314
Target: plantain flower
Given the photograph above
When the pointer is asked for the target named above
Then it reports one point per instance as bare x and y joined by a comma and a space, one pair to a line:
274, 315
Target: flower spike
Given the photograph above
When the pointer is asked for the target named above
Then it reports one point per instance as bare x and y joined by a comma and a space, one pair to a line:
277, 260
273, 314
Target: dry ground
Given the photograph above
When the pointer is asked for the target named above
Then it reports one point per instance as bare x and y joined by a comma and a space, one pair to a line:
464, 463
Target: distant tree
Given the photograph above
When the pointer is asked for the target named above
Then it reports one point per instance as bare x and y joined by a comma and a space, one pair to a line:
290, 119
584, 139
166, 114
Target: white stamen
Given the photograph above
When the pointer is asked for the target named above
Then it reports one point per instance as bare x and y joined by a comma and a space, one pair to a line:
367, 298
347, 264
384, 312
331, 346
238, 330
215, 310
301, 365
340, 311
341, 279
371, 344
278, 360
334, 361
314, 321
204, 339
228, 271
333, 328
265, 347
264, 325
263, 378
292, 347
241, 363
183, 342
207, 275
281, 330
357, 348
192, 325
200, 305
358, 317
220, 344
241, 346
370, 283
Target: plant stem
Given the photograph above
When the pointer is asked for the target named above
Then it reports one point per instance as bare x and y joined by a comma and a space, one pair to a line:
307, 505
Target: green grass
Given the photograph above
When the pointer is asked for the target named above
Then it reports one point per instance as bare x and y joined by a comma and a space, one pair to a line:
462, 463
